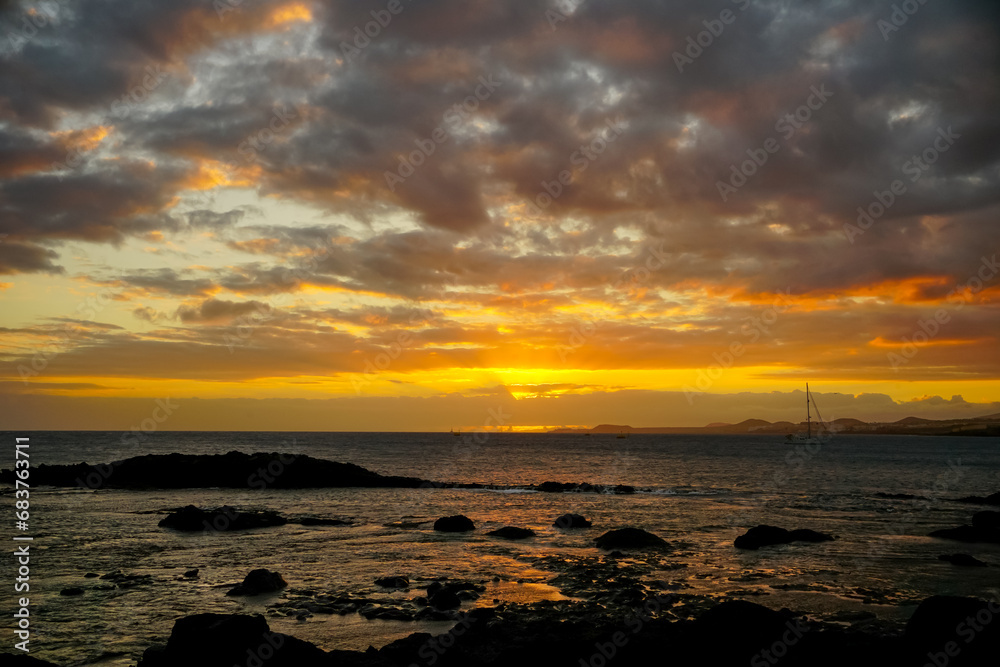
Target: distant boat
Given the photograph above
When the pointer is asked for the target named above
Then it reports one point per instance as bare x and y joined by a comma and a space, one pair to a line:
456, 433
622, 434
808, 437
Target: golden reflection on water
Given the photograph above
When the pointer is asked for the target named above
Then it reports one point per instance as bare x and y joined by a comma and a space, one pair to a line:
519, 593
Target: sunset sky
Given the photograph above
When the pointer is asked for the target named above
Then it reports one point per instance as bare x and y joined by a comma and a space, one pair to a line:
655, 213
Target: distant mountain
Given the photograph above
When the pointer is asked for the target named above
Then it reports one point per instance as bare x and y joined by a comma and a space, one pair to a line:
913, 420
847, 421
982, 426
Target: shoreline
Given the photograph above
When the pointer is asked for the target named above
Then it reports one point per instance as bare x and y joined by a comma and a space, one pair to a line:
604, 587
965, 631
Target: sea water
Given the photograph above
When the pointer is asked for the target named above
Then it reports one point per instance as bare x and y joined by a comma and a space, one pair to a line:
697, 492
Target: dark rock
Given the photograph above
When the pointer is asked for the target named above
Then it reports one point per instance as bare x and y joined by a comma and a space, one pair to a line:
566, 633
630, 538
447, 596
732, 632
91, 575
75, 590
986, 519
969, 534
217, 640
571, 521
741, 620
563, 487
191, 574
964, 560
258, 582
993, 499
444, 599
454, 586
512, 533
555, 487
393, 582
937, 621
400, 650
234, 470
763, 536
454, 524
193, 519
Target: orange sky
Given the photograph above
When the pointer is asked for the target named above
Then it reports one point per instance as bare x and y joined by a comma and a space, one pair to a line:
479, 202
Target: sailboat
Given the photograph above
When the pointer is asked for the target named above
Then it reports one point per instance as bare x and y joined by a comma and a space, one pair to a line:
622, 434
457, 433
808, 437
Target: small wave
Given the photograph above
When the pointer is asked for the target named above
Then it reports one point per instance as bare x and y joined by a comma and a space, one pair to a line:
682, 492
598, 489
507, 490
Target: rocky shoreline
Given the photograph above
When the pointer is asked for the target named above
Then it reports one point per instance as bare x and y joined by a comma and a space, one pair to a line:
959, 632
234, 470
613, 612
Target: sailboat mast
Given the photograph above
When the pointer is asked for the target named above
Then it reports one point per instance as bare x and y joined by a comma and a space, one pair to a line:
808, 415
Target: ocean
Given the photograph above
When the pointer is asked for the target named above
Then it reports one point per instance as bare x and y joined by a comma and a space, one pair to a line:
880, 497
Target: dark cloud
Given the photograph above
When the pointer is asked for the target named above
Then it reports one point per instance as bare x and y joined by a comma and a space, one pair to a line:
103, 205
218, 310
26, 258
165, 281
22, 152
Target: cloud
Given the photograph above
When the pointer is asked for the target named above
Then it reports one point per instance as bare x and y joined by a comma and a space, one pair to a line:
218, 311
257, 167
27, 258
